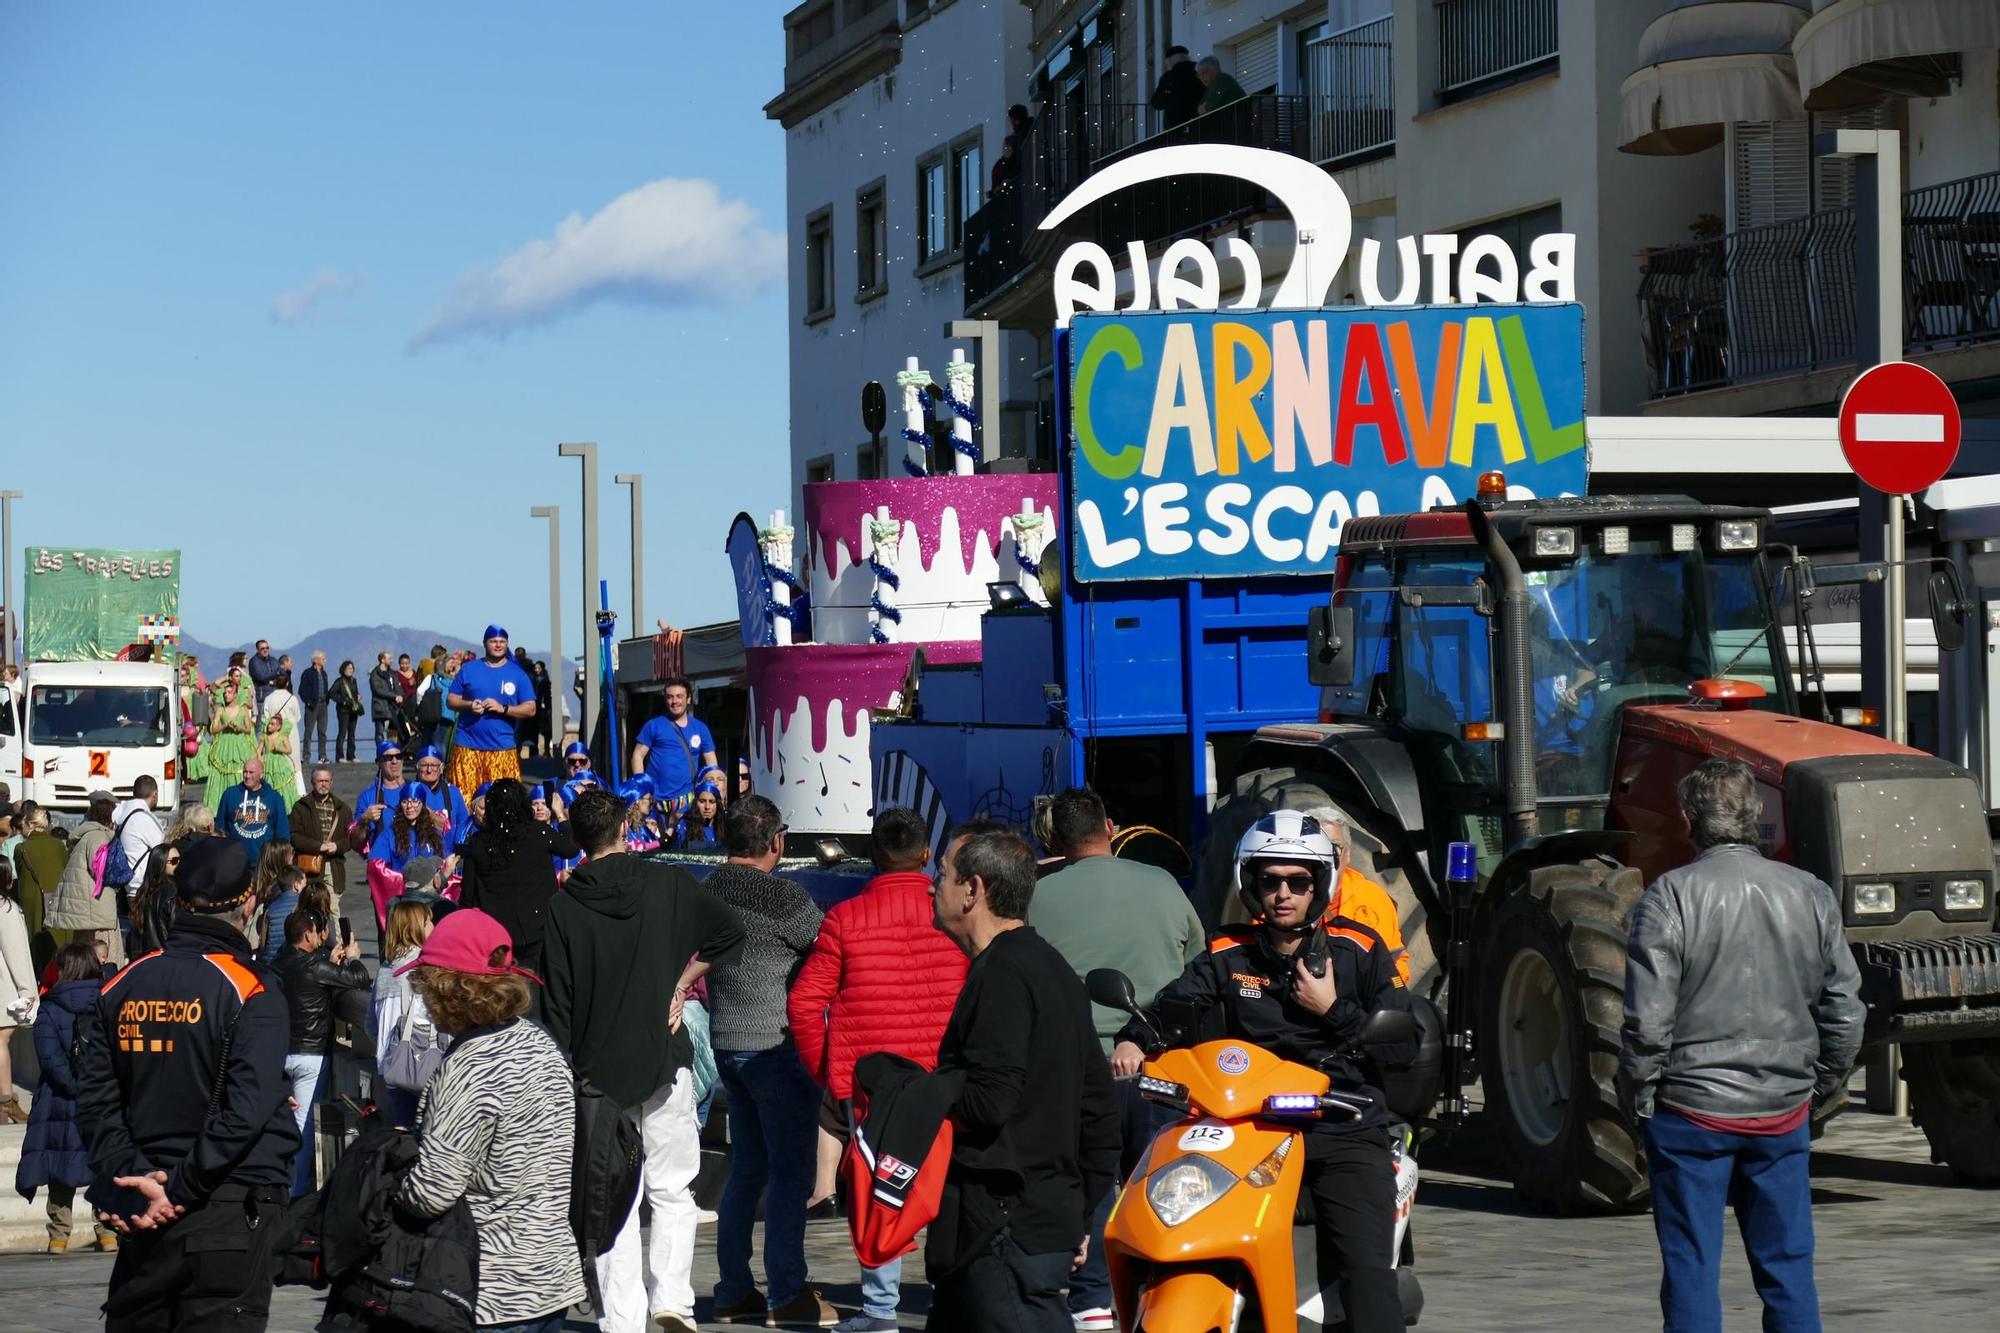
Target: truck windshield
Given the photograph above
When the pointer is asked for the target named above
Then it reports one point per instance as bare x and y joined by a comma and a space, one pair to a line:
1609, 630
108, 716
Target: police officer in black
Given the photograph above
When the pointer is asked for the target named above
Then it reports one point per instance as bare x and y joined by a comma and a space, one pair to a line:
184, 1111
1301, 985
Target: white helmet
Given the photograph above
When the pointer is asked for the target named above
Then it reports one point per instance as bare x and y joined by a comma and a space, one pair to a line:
1291, 837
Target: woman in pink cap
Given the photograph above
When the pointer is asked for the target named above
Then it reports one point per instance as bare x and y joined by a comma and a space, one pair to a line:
499, 1123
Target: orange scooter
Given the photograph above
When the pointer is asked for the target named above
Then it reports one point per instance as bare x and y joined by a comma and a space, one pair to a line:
1204, 1237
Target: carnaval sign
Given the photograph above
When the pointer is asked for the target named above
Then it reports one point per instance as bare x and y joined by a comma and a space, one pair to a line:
86, 604
1237, 443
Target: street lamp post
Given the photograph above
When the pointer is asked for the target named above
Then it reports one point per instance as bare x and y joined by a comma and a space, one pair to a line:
558, 678
637, 483
592, 702
10, 610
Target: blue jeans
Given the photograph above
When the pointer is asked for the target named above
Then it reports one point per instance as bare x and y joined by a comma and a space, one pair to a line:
774, 1144
304, 1072
1764, 1178
882, 1290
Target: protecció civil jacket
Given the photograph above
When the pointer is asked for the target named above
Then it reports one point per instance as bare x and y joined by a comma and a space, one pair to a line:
184, 1067
880, 977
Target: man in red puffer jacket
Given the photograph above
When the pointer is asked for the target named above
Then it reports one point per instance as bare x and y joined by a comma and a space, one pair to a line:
881, 977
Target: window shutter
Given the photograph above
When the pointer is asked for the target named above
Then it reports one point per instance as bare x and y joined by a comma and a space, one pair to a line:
1257, 62
1834, 176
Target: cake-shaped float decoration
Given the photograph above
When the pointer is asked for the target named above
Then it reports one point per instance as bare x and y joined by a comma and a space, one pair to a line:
893, 566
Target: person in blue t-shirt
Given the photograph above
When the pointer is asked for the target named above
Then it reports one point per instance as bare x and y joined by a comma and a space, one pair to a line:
489, 696
673, 750
451, 810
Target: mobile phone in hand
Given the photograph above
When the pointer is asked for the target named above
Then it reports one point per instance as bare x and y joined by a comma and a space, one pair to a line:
346, 932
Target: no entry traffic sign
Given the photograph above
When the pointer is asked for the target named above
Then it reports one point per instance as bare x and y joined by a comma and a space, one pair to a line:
1899, 428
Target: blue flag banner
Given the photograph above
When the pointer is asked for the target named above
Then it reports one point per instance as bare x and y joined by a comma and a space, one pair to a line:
753, 594
1236, 443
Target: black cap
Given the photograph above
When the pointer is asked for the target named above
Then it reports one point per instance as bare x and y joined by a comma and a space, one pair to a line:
1177, 50
215, 873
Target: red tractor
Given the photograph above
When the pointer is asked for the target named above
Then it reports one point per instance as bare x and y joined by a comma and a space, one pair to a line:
1534, 677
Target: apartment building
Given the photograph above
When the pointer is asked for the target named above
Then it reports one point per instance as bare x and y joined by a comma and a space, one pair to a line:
893, 112
1507, 117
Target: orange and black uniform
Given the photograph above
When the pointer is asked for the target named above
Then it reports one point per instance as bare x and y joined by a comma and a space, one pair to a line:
184, 1072
1349, 1172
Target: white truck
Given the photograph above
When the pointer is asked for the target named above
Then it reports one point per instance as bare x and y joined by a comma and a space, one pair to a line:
80, 727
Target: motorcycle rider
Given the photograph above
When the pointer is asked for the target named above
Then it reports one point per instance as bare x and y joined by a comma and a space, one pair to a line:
1300, 984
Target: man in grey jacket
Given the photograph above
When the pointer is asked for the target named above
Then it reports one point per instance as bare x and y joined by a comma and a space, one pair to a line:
1742, 1017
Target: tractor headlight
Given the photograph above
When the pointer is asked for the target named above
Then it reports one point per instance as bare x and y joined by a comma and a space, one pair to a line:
1964, 895
1615, 540
1555, 542
1683, 535
1736, 534
1185, 1186
1874, 899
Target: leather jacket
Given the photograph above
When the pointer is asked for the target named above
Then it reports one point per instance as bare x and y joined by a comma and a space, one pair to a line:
310, 980
1741, 994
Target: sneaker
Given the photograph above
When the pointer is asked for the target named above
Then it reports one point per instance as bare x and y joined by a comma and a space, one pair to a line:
1095, 1321
808, 1309
749, 1310
865, 1323
676, 1323
58, 1246
706, 1217
107, 1244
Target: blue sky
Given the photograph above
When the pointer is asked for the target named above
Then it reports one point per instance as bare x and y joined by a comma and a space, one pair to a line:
312, 293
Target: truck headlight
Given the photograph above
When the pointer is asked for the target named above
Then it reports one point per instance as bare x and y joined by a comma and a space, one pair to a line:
1874, 899
1736, 534
1555, 541
1185, 1186
1964, 895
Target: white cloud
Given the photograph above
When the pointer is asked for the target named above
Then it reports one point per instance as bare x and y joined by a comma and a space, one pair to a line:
670, 242
297, 306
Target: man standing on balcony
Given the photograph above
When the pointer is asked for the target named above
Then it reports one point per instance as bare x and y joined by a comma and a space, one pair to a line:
1179, 92
1222, 89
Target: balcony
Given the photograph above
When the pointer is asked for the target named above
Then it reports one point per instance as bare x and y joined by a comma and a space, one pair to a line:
831, 46
1351, 96
1778, 300
1484, 44
1068, 143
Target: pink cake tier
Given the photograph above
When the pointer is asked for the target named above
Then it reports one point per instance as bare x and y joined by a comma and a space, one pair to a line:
956, 540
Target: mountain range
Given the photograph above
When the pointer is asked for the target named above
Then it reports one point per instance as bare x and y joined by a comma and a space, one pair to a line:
341, 643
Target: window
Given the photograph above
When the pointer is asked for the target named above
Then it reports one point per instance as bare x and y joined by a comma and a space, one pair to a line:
109, 716
819, 469
934, 232
969, 187
1518, 232
871, 242
819, 265
1484, 43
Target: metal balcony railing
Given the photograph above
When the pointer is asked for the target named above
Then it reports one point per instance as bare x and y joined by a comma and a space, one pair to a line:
1779, 300
1067, 143
1351, 111
1485, 41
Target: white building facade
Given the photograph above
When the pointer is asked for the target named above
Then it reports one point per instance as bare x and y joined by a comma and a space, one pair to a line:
894, 111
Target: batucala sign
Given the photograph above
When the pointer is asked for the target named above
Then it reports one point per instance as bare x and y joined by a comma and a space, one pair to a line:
1237, 442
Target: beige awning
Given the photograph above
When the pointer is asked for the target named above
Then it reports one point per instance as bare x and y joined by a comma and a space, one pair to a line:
1705, 63
1856, 51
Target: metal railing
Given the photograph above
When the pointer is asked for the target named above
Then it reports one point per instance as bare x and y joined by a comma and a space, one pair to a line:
1779, 299
1482, 41
1067, 143
1349, 78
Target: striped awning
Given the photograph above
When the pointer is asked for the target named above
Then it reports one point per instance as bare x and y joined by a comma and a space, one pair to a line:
1705, 63
1856, 51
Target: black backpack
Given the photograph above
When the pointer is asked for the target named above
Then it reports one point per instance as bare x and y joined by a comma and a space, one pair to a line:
430, 708
604, 1176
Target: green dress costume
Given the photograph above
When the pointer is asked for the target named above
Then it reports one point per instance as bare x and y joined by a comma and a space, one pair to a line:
232, 738
280, 771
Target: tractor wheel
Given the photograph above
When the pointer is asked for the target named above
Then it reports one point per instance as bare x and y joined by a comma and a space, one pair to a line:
1552, 972
1955, 1097
1258, 793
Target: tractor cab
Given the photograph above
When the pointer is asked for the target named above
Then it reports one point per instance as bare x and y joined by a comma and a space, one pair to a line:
1628, 601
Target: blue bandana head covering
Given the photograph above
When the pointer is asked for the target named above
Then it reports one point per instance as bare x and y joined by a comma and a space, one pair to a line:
481, 790
633, 790
495, 632
385, 749
708, 787
575, 788
431, 752
575, 748
415, 791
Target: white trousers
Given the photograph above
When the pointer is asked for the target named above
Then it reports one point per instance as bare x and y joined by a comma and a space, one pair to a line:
661, 1281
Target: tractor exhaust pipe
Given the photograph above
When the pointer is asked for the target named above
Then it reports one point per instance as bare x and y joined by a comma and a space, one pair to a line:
1516, 686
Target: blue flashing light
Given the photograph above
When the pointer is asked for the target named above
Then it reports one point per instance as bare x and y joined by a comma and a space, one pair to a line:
1461, 865
1292, 1103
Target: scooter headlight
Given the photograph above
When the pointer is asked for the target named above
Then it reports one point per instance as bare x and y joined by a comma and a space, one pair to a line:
1185, 1186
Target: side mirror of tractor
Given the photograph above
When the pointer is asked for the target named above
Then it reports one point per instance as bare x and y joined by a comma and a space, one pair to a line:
1384, 1027
1949, 610
1330, 645
1112, 989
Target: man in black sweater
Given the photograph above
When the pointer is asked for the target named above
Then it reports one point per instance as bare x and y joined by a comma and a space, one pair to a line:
626, 939
1027, 1167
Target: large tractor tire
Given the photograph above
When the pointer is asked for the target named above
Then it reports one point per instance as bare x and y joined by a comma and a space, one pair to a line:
1955, 1098
1263, 790
1552, 992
